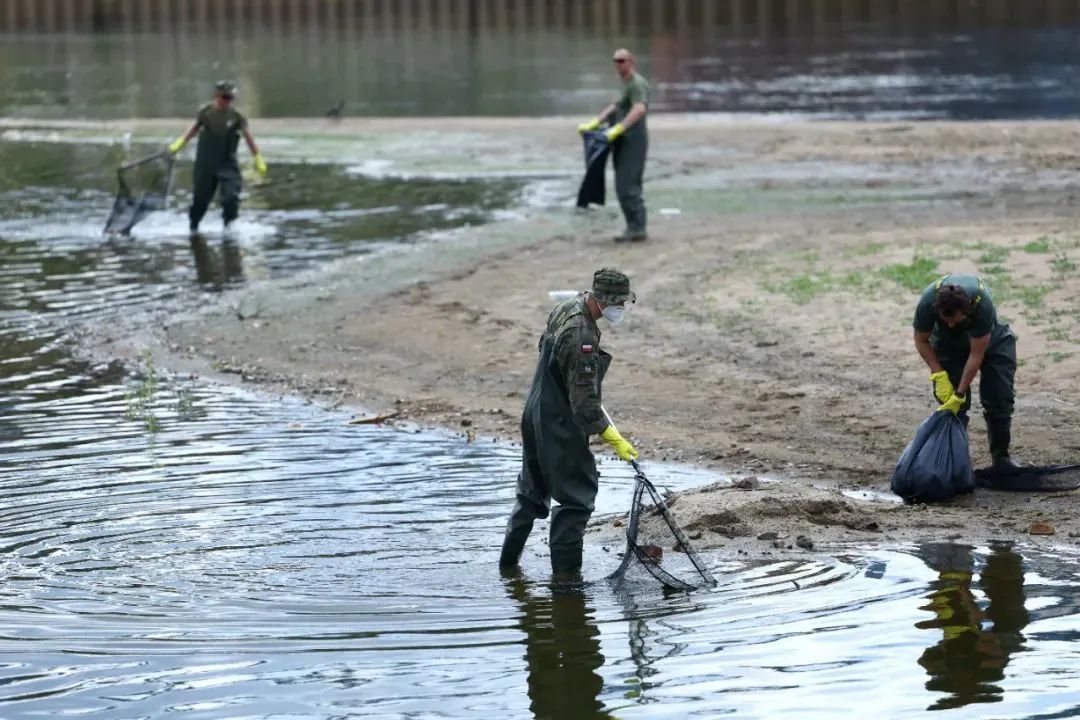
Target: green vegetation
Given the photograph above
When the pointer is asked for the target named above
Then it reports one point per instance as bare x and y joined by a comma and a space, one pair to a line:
144, 399
854, 278
1042, 245
185, 404
993, 255
1057, 333
1031, 295
803, 288
140, 398
1062, 265
914, 276
865, 249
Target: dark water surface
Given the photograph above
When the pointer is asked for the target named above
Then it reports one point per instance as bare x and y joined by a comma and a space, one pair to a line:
813, 58
173, 548
260, 558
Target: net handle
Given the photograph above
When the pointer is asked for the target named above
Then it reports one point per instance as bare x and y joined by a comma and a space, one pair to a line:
144, 160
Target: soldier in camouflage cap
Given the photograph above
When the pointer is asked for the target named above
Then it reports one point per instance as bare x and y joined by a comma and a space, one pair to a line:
563, 409
612, 286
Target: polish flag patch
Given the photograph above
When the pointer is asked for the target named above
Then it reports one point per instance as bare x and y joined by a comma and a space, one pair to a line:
586, 348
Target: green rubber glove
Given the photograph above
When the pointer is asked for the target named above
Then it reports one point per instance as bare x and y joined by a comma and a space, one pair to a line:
178, 145
587, 126
954, 404
615, 132
619, 444
943, 388
260, 165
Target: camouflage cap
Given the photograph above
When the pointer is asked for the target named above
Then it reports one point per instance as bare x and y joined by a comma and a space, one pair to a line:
224, 87
611, 286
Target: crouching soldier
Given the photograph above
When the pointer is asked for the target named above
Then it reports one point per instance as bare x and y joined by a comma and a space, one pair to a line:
958, 335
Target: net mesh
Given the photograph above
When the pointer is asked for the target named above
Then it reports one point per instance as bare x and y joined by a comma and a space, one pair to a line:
1046, 478
656, 547
142, 187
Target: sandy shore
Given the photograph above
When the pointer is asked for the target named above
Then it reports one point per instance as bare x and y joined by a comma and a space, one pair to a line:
772, 334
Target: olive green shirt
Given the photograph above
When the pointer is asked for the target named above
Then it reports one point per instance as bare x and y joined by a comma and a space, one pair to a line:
635, 90
219, 134
981, 321
576, 349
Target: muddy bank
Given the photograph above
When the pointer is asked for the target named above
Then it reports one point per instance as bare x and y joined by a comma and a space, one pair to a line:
772, 334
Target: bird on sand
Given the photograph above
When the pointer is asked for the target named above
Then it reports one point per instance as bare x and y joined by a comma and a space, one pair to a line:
337, 111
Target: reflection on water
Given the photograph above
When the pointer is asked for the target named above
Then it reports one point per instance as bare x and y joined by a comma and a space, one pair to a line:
977, 639
819, 58
263, 558
562, 651
217, 267
250, 556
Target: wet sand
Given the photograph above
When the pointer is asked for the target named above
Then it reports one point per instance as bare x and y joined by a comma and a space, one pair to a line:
772, 334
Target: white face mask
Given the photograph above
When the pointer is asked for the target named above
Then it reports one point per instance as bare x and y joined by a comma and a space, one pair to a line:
614, 314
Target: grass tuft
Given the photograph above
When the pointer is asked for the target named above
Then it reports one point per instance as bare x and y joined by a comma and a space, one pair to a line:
1041, 245
914, 276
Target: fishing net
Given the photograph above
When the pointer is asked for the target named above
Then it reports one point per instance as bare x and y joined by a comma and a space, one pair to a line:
1046, 478
142, 187
656, 547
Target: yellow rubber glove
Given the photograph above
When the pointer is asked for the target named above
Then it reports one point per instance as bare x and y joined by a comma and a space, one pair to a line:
587, 126
954, 404
943, 388
260, 165
178, 145
619, 444
615, 132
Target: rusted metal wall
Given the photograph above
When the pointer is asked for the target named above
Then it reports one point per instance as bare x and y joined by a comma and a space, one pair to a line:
762, 17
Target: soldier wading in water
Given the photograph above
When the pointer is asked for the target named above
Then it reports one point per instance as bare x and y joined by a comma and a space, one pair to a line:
219, 127
562, 411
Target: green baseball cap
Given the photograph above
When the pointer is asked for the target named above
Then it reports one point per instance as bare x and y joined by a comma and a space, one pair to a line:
611, 286
224, 87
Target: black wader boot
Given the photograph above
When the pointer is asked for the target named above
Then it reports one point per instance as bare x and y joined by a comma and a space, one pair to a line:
532, 504
556, 462
996, 389
202, 193
226, 181
628, 156
574, 489
229, 186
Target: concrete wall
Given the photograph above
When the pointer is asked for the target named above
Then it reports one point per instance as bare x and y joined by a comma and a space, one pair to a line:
765, 17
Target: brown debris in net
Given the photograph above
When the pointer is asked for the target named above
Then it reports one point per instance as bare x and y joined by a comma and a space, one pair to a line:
653, 552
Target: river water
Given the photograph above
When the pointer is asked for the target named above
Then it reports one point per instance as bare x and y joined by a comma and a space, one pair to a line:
172, 547
819, 58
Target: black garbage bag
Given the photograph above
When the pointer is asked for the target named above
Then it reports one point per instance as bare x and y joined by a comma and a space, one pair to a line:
1031, 478
597, 149
935, 466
